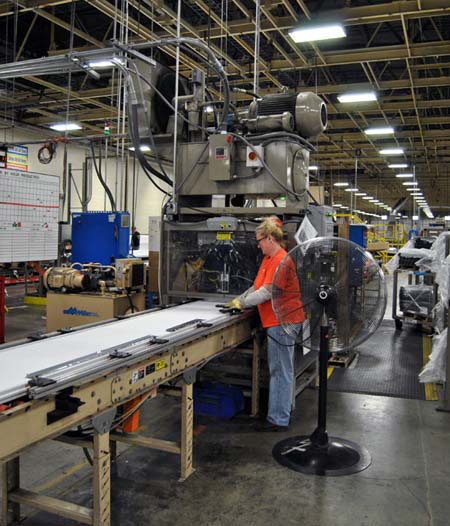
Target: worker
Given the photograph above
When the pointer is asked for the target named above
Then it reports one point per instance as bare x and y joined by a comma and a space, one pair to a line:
280, 344
135, 238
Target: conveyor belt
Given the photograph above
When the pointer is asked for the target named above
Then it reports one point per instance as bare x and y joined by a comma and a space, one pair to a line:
90, 349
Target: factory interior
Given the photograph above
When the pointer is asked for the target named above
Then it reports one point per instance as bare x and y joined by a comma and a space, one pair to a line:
224, 262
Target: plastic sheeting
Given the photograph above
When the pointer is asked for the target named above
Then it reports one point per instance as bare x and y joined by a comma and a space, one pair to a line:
436, 368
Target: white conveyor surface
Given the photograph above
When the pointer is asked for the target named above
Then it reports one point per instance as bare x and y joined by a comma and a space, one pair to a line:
19, 361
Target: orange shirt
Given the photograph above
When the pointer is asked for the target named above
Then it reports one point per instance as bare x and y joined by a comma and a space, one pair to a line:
287, 281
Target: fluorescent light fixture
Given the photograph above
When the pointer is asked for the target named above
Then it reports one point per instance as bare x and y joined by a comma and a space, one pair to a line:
351, 190
398, 165
415, 218
447, 218
392, 151
412, 189
410, 183
384, 218
416, 194
66, 126
368, 96
143, 148
367, 198
404, 176
313, 168
105, 63
340, 184
386, 130
337, 205
312, 34
360, 194
428, 213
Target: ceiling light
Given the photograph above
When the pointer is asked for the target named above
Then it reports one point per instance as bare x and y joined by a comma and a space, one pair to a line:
368, 96
340, 184
66, 126
384, 218
367, 198
404, 176
428, 213
415, 218
142, 147
105, 63
351, 190
410, 183
313, 168
337, 205
412, 189
398, 165
447, 218
361, 193
386, 130
312, 34
392, 151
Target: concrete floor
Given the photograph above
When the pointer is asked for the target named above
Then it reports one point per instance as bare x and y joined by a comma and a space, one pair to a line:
237, 482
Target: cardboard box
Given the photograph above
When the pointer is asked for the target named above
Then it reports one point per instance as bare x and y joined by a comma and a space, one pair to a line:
153, 272
375, 246
318, 192
72, 310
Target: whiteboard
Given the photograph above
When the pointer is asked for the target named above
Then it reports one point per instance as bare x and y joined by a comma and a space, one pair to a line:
29, 212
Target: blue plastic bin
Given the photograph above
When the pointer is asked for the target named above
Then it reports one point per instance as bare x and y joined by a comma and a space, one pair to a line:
219, 400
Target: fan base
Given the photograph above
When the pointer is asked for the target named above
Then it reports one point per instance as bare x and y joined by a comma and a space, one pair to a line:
336, 457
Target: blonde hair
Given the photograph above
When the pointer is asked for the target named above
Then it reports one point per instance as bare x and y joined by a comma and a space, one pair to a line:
271, 226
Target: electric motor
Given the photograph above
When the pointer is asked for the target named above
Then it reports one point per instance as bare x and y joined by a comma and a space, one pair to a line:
58, 278
308, 110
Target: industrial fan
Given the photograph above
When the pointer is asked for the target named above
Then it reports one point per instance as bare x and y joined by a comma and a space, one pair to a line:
343, 294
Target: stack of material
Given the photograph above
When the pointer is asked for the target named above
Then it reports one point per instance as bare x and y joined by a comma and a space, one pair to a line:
416, 299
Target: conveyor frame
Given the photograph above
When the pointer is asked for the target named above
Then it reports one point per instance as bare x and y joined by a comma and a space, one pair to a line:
97, 396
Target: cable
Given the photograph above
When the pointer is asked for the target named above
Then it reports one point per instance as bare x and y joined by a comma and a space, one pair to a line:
47, 153
130, 301
100, 178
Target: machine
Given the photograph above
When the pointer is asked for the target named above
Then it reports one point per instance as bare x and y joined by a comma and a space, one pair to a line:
90, 292
227, 176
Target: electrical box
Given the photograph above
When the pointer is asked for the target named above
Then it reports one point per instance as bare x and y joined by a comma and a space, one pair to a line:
220, 153
358, 234
321, 218
100, 237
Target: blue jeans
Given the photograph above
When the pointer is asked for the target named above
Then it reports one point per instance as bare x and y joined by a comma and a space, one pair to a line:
280, 357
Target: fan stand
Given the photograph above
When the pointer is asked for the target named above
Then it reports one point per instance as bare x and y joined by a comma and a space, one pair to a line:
318, 453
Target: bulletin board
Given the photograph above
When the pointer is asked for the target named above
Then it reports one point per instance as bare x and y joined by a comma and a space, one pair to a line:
29, 214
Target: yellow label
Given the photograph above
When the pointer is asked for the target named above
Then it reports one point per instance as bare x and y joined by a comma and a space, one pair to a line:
223, 236
160, 364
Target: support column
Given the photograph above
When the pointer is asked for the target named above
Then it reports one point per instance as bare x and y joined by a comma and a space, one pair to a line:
102, 480
10, 473
187, 422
